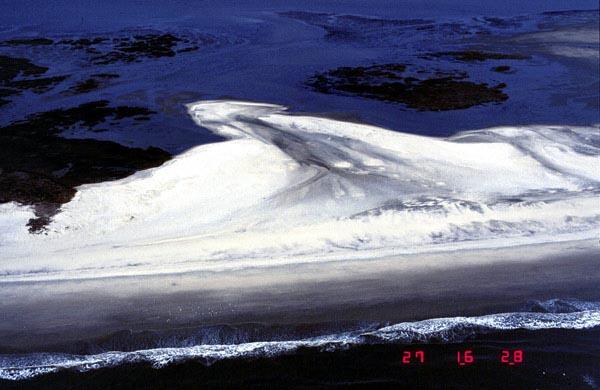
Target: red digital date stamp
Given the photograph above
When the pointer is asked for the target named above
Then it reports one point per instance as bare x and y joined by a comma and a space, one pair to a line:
509, 357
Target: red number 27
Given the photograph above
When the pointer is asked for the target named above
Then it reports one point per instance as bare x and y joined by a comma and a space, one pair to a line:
408, 355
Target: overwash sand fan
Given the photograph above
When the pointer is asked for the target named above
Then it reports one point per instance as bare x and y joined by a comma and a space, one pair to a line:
268, 194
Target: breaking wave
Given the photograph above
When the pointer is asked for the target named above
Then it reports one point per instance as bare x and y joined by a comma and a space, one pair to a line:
548, 315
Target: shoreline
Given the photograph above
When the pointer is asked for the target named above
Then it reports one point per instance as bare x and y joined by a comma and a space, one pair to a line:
55, 315
571, 361
200, 266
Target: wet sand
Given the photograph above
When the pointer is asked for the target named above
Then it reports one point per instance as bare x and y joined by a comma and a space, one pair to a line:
53, 315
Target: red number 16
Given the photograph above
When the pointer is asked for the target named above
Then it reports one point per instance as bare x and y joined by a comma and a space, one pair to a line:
465, 358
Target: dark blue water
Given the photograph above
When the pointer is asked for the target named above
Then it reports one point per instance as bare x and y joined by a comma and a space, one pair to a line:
257, 52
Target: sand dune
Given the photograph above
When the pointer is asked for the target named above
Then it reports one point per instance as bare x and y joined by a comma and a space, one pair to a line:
291, 188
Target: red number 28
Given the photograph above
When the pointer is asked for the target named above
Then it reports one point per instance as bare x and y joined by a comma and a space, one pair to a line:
516, 357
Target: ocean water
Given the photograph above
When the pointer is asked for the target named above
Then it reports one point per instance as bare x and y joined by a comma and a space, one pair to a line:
532, 331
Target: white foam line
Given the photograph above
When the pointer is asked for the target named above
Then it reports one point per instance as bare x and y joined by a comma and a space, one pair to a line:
455, 329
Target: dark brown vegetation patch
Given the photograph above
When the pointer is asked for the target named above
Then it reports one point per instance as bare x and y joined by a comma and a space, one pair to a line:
92, 83
39, 167
28, 42
84, 86
132, 49
83, 42
124, 49
20, 74
501, 69
478, 56
128, 49
387, 82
